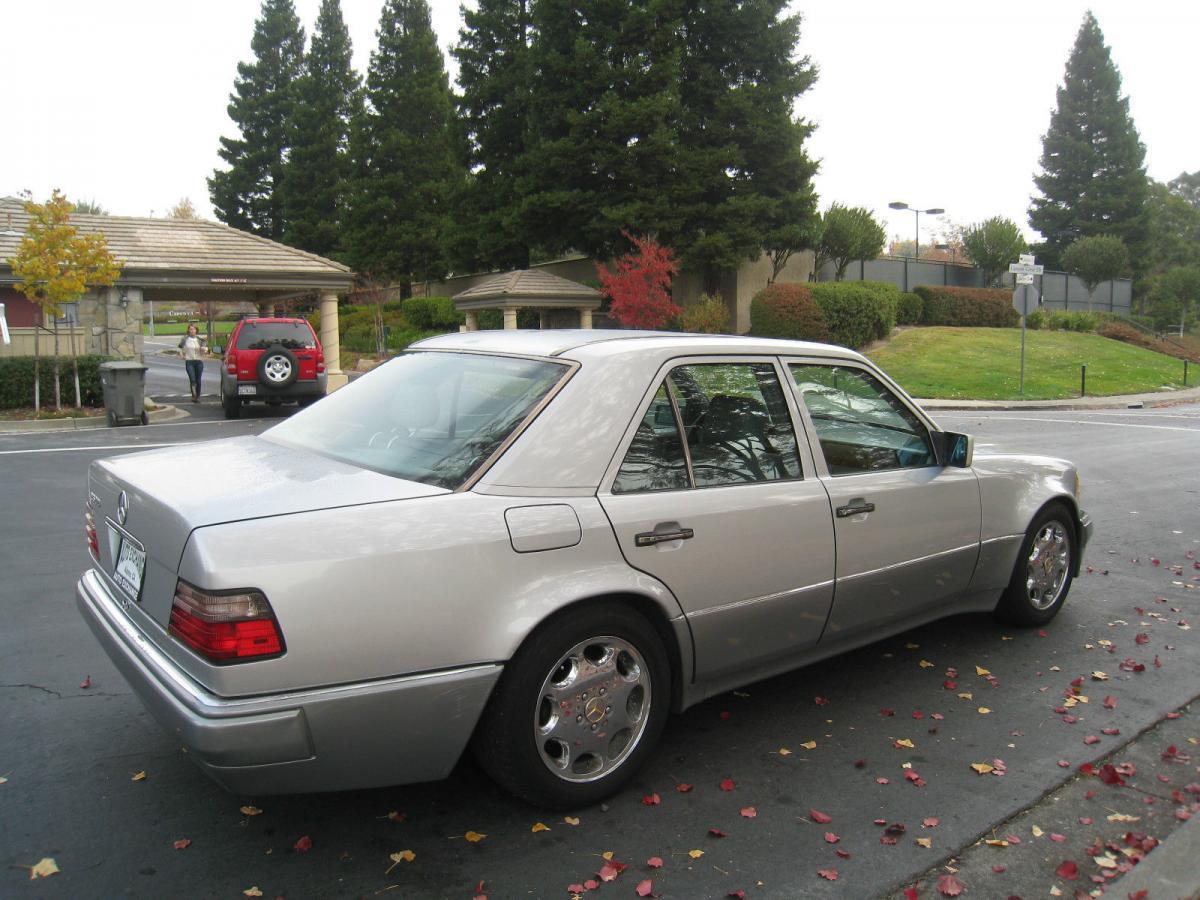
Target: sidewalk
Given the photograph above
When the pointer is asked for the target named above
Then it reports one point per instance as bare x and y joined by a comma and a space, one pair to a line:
1134, 401
86, 423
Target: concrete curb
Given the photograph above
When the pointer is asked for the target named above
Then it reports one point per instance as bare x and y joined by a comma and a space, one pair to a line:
168, 413
1170, 869
1126, 401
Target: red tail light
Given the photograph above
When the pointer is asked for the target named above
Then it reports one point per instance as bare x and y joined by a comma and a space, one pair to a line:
93, 540
231, 362
228, 627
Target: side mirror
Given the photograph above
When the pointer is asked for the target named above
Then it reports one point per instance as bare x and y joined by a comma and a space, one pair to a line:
955, 449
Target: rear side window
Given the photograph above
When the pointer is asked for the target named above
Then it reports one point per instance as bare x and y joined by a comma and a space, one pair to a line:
263, 335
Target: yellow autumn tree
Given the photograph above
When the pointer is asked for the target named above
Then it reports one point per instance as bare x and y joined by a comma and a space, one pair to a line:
56, 265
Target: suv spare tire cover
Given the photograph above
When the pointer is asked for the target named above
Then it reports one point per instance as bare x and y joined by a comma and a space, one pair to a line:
278, 367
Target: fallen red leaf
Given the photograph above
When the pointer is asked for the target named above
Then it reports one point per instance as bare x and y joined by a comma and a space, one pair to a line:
182, 844
1110, 702
651, 800
683, 787
645, 888
822, 819
86, 683
655, 862
1058, 838
303, 845
1109, 775
591, 884
610, 870
842, 854
728, 784
895, 828
739, 894
888, 841
831, 838
820, 701
575, 889
726, 715
885, 712
950, 685
1110, 731
1091, 739
1067, 869
950, 886
1141, 638
931, 822
917, 714
999, 870
716, 832
749, 812
828, 874
1064, 764
910, 893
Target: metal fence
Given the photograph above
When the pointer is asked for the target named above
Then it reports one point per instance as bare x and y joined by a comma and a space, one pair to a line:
1059, 290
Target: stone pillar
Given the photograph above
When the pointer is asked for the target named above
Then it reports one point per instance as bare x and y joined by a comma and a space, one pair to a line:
542, 319
510, 319
472, 321
585, 317
330, 342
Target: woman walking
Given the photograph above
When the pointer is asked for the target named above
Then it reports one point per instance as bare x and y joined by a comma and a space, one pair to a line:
192, 346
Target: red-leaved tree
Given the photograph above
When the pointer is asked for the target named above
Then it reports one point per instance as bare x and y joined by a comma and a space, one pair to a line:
640, 288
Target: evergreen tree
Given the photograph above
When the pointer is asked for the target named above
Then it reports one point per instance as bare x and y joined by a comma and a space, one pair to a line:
1093, 178
247, 195
317, 174
494, 73
404, 166
746, 174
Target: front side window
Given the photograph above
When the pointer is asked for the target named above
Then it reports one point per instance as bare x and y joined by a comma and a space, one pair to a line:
862, 426
425, 416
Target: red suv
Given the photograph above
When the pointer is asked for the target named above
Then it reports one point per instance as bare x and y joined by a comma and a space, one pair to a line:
273, 360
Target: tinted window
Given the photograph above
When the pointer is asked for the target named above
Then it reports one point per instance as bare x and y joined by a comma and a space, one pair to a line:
428, 417
262, 335
737, 423
862, 426
655, 460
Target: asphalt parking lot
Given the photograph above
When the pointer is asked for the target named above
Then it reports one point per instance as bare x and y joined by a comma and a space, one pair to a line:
72, 757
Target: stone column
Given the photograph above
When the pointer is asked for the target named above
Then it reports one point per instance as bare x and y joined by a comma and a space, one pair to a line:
330, 342
510, 319
472, 321
585, 317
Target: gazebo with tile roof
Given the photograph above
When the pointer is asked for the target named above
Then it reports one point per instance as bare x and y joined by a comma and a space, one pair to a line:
527, 289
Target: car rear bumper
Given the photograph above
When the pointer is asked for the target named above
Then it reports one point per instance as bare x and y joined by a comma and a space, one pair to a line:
391, 731
317, 387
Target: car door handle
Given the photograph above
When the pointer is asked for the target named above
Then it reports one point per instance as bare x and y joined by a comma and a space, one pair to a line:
854, 508
650, 538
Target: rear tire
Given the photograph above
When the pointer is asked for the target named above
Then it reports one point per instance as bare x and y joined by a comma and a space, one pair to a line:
232, 405
578, 709
1042, 575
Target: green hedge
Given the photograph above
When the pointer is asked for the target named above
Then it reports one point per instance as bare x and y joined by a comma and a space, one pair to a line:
432, 313
1062, 320
970, 307
786, 311
856, 313
909, 309
16, 381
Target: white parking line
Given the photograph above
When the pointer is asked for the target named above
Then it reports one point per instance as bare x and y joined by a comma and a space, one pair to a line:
90, 449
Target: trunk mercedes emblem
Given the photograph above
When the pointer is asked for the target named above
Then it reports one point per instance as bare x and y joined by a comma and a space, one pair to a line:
122, 508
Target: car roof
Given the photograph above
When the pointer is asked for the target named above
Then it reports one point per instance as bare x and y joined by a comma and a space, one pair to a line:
580, 344
255, 320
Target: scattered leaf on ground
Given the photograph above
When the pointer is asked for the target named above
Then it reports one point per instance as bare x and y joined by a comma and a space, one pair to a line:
474, 836
303, 845
652, 800
749, 812
809, 745
982, 768
695, 854
1068, 870
539, 826
182, 844
44, 868
819, 817
645, 888
252, 892
139, 776
831, 838
250, 811
86, 683
728, 784
683, 787
949, 886
925, 842
655, 862
828, 874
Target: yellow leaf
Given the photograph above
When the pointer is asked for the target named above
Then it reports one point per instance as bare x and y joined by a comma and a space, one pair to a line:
982, 768
1069, 702
980, 670
993, 842
926, 664
1099, 676
1104, 643
1006, 637
809, 745
904, 742
784, 751
1081, 698
474, 836
571, 820
1055, 891
911, 646
1122, 817
44, 869
925, 842
1055, 669
695, 854
983, 710
1036, 832
966, 695
402, 856
906, 765
538, 826
138, 776
607, 854
251, 811
252, 892
1105, 863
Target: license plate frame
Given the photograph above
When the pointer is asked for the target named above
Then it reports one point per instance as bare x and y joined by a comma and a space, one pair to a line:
129, 567
247, 390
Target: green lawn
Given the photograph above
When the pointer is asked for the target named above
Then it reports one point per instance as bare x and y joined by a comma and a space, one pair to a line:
161, 328
985, 364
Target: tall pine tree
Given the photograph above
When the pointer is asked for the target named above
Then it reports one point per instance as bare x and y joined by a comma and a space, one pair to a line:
1093, 178
495, 74
247, 195
404, 162
316, 177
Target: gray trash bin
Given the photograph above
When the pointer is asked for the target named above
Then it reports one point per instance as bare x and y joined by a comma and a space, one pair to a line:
124, 385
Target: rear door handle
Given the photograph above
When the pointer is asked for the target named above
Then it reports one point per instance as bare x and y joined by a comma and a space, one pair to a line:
854, 508
650, 538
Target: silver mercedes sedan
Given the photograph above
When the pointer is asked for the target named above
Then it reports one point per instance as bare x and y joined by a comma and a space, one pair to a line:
539, 544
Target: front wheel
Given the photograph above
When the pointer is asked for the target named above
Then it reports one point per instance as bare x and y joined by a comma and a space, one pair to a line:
1043, 573
578, 708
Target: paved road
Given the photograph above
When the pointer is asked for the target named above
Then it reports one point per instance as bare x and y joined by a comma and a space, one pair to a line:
166, 379
69, 753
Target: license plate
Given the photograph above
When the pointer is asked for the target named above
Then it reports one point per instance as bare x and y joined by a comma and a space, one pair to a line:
131, 566
247, 390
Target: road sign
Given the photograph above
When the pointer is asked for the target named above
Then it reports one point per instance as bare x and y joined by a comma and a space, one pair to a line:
1024, 279
1026, 259
1025, 269
1025, 298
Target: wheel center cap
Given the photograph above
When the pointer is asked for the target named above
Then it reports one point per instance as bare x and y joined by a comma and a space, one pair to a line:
593, 711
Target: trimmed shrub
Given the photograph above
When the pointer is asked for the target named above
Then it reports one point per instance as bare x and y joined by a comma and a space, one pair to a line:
1119, 331
970, 307
909, 309
786, 311
432, 313
16, 381
855, 313
708, 316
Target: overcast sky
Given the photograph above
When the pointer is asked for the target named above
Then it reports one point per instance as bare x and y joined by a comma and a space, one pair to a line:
930, 103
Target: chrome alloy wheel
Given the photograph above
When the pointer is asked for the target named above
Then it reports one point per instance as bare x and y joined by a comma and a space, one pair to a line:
592, 709
277, 369
1048, 564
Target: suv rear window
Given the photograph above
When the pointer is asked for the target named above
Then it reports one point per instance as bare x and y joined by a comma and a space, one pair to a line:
262, 335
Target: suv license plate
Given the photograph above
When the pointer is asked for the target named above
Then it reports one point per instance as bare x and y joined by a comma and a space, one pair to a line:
247, 390
130, 568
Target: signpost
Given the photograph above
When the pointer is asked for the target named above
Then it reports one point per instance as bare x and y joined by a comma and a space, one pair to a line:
1024, 296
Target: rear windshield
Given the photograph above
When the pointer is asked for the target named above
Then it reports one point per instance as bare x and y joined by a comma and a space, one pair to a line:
262, 335
431, 417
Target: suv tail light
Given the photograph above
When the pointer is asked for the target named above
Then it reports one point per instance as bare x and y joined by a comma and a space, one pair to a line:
231, 362
93, 540
320, 360
227, 627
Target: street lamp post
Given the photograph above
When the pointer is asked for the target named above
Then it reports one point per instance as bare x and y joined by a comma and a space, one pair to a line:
935, 211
